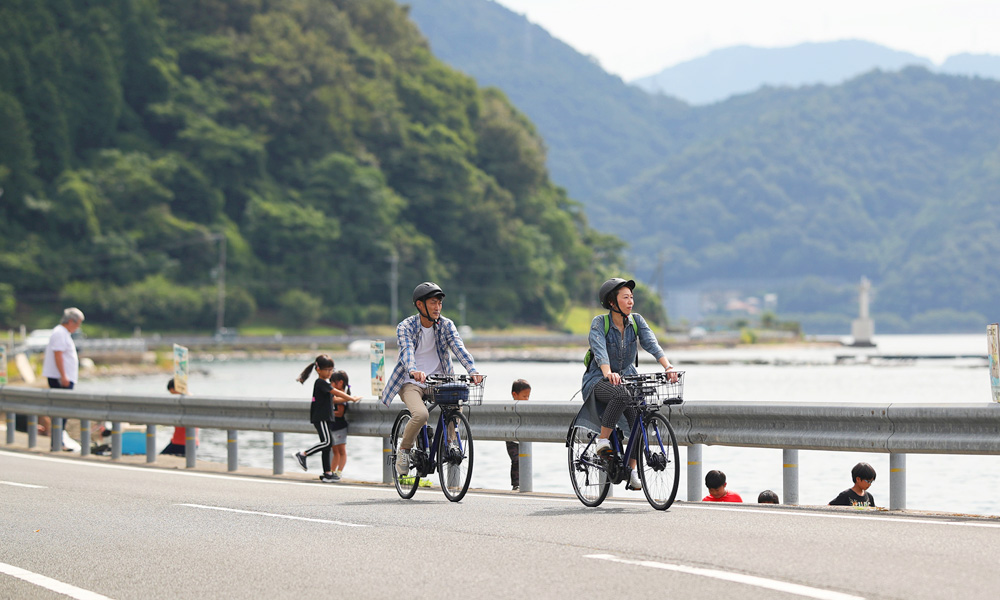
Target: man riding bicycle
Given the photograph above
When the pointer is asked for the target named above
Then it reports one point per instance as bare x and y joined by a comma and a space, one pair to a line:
615, 353
424, 340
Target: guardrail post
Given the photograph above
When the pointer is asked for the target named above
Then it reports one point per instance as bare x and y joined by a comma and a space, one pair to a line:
190, 447
897, 481
386, 454
150, 443
32, 431
116, 440
232, 452
524, 476
694, 472
279, 453
84, 437
790, 475
10, 428
55, 434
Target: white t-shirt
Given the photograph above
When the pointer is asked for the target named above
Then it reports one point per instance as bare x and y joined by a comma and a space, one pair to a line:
426, 356
61, 341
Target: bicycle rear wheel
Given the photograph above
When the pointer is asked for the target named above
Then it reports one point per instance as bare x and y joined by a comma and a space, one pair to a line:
406, 485
590, 482
659, 467
455, 456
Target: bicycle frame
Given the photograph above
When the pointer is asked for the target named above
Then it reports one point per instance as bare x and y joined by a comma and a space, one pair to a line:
433, 446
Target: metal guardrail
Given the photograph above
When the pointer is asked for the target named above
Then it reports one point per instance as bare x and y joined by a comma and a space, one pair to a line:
896, 429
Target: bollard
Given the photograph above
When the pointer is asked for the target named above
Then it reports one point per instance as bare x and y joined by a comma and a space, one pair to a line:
694, 472
55, 434
231, 449
279, 453
524, 477
897, 481
790, 476
150, 443
84, 437
116, 440
387, 465
10, 428
190, 447
32, 431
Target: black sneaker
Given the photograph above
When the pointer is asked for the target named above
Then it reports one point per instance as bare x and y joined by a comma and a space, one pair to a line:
329, 478
301, 458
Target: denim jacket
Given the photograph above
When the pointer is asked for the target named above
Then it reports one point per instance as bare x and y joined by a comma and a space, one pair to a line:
617, 351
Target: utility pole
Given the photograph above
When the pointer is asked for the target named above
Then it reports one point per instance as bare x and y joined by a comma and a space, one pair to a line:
220, 315
393, 288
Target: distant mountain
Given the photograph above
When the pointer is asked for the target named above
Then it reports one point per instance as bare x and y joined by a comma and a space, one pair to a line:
981, 65
598, 129
892, 174
741, 69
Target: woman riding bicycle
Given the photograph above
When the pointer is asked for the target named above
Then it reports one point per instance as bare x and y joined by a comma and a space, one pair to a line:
615, 353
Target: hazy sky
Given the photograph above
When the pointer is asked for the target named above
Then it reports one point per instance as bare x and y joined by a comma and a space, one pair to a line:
634, 38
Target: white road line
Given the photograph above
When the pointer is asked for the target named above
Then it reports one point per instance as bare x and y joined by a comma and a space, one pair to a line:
265, 514
27, 485
52, 584
511, 498
771, 584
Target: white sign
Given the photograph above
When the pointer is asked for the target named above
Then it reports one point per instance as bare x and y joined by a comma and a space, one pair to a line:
181, 369
3, 364
993, 344
378, 367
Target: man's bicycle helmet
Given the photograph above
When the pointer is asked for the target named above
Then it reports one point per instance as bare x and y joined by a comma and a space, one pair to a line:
425, 290
609, 289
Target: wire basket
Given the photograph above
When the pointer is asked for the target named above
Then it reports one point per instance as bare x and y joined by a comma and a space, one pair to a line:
656, 389
455, 389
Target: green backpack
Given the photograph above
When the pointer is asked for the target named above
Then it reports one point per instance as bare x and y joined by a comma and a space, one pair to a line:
589, 356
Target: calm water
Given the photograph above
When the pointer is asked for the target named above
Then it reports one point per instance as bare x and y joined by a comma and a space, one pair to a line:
792, 374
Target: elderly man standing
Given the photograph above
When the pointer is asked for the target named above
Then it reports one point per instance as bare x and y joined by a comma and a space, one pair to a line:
61, 365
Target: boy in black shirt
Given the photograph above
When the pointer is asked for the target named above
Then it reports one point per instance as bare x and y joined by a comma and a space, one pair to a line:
864, 475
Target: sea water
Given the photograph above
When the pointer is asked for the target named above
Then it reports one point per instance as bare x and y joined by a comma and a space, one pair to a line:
787, 373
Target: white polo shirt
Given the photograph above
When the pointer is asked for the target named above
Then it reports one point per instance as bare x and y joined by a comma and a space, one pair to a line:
61, 341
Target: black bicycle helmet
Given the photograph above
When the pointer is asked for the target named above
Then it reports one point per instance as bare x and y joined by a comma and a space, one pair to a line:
425, 290
610, 287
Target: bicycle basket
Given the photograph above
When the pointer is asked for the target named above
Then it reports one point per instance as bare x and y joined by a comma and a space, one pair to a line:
657, 389
451, 393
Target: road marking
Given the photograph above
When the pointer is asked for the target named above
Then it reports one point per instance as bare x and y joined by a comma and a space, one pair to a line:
266, 514
512, 497
27, 485
771, 584
52, 584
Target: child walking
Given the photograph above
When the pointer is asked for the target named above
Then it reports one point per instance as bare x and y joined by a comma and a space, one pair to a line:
321, 412
340, 381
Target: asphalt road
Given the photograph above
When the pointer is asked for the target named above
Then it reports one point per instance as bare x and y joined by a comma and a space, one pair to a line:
70, 527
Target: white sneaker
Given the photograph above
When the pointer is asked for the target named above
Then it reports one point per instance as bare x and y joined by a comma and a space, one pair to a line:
633, 480
402, 462
603, 446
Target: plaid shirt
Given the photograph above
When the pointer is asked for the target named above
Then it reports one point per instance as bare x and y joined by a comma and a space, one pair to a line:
408, 336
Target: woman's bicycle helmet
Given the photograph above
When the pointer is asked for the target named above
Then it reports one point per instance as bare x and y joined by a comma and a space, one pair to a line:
609, 289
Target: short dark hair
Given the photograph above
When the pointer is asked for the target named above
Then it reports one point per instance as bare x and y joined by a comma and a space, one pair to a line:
864, 471
715, 479
519, 386
768, 497
170, 385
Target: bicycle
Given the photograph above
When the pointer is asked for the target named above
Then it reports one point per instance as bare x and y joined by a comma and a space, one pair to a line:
452, 459
651, 442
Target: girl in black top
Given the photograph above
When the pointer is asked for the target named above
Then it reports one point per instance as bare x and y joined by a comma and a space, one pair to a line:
340, 381
321, 412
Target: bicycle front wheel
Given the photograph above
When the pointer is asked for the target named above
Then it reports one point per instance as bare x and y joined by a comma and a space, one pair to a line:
590, 481
406, 484
659, 467
455, 456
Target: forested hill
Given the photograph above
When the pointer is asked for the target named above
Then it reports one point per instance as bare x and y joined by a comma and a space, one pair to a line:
319, 137
894, 176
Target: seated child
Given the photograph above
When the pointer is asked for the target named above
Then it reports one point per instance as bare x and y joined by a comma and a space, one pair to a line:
715, 481
857, 495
